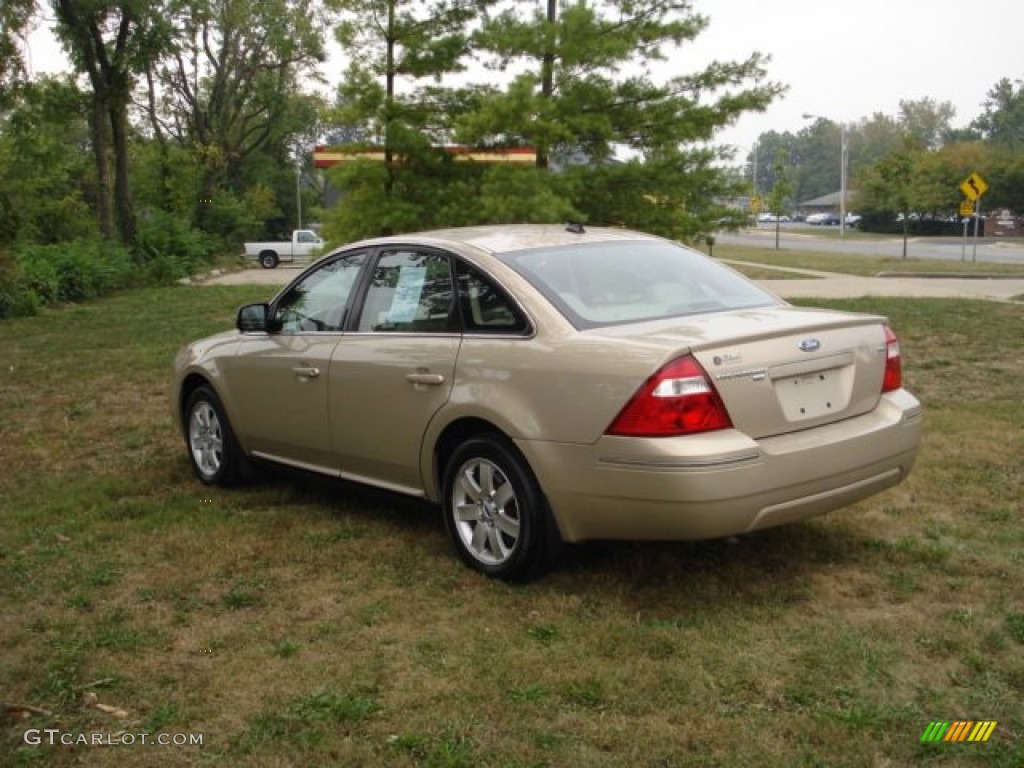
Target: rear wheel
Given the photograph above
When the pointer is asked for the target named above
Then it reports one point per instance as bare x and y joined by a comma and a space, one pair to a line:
213, 449
269, 259
495, 511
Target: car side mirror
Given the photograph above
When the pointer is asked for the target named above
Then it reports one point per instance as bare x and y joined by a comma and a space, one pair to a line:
253, 318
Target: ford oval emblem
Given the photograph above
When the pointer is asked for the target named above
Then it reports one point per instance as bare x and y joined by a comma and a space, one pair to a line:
810, 345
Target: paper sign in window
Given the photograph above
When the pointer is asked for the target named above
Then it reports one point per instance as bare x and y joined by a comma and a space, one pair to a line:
407, 294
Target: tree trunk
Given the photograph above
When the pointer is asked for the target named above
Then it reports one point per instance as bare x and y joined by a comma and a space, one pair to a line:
101, 149
122, 190
547, 86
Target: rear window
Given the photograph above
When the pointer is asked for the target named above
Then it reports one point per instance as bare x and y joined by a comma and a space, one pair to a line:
611, 283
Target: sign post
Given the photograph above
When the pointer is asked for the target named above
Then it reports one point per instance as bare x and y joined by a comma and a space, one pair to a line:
973, 188
966, 209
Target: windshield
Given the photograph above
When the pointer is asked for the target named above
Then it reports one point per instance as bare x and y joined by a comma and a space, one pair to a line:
611, 283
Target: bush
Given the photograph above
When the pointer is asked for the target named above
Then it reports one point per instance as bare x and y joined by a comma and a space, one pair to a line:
169, 248
75, 271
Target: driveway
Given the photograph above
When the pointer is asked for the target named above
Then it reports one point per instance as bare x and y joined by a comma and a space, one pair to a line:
821, 285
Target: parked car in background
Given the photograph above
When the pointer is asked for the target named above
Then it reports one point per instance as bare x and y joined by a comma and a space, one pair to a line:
853, 219
547, 384
816, 219
304, 244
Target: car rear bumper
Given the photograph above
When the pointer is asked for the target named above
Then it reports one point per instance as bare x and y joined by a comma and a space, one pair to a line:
724, 483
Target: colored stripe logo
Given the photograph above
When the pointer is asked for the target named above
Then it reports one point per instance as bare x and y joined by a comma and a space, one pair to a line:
958, 730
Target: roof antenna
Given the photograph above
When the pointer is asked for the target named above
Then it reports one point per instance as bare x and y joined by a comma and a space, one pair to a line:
576, 227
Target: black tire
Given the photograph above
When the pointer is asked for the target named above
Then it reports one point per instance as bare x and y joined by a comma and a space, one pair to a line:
212, 447
495, 512
269, 260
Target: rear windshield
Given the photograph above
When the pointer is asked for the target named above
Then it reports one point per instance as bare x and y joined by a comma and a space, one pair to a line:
611, 283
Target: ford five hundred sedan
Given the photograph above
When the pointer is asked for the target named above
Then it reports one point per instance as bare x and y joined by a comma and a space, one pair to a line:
547, 384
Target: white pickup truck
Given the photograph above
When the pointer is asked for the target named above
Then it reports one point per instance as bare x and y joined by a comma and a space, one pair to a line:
304, 243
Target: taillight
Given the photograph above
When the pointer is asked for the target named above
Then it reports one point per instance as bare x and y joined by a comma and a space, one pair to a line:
893, 378
677, 400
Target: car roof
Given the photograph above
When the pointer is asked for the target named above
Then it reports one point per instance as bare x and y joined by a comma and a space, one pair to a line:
496, 239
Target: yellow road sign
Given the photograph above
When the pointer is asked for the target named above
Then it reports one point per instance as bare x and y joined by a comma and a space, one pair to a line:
973, 187
966, 208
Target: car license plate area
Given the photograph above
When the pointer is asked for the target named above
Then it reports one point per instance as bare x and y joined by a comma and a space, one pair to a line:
811, 395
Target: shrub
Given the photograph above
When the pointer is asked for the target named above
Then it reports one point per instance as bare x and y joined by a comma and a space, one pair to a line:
169, 248
38, 275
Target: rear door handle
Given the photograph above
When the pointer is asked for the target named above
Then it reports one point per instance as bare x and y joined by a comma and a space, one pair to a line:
306, 373
433, 379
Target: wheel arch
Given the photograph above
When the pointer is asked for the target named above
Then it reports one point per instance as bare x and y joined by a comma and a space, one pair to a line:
189, 384
456, 433
453, 434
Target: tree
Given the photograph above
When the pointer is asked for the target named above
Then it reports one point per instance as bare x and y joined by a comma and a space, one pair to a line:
395, 48
15, 16
1002, 122
231, 94
44, 164
888, 187
778, 197
112, 42
926, 120
571, 97
771, 145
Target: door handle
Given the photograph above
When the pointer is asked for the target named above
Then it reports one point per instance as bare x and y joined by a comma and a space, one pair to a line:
433, 379
306, 373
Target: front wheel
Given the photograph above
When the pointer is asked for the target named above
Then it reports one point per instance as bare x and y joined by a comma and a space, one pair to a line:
495, 511
212, 447
269, 259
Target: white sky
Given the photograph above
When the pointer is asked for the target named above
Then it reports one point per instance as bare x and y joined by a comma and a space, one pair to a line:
842, 59
847, 59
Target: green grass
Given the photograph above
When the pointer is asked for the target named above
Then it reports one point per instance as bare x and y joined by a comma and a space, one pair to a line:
298, 621
852, 264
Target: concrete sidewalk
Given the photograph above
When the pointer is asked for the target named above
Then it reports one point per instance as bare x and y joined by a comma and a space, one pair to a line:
823, 285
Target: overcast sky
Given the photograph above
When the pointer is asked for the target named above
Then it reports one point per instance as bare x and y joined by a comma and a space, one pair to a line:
847, 60
844, 60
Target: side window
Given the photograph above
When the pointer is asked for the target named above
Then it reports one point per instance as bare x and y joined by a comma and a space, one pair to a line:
318, 302
409, 292
306, 237
485, 309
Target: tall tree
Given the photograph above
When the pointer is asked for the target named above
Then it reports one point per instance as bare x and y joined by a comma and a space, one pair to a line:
572, 98
927, 120
396, 50
112, 42
44, 141
572, 94
232, 90
1002, 122
15, 17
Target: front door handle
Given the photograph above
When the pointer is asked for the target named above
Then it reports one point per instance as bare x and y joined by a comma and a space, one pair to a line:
306, 373
433, 379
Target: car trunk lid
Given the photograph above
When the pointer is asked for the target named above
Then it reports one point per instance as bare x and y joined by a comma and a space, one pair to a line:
781, 369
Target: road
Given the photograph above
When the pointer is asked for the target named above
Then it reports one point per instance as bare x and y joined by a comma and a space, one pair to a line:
798, 237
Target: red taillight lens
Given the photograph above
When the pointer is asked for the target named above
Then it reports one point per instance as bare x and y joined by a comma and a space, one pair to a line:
677, 400
893, 378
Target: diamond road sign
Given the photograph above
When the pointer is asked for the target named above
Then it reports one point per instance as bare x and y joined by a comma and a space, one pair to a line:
973, 186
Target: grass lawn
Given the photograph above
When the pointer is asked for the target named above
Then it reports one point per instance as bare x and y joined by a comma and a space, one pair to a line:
853, 264
305, 622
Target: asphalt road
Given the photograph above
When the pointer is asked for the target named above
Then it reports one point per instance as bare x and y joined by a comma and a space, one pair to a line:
801, 237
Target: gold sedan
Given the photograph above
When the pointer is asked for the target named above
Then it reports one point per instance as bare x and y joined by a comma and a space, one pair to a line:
549, 384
